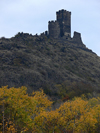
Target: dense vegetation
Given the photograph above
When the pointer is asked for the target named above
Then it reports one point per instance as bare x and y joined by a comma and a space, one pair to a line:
42, 62
24, 113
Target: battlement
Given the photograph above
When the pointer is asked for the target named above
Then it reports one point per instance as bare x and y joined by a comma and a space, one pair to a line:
52, 22
63, 11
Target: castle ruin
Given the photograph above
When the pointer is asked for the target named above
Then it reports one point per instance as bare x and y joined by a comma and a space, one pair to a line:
61, 27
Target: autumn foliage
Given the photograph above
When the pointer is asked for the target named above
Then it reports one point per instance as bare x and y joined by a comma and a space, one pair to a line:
24, 113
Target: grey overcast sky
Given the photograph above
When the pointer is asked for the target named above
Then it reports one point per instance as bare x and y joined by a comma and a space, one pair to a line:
32, 16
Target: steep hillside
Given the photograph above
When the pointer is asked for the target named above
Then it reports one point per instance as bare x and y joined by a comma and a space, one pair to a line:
39, 61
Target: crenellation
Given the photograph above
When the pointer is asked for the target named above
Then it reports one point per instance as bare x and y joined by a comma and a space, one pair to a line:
52, 21
62, 11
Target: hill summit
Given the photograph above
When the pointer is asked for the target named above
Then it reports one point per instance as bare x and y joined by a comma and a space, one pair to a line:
61, 28
50, 60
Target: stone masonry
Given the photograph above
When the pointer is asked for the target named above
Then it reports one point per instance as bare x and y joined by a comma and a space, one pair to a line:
61, 28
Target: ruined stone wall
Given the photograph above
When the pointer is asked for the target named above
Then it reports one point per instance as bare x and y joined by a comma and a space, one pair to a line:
77, 37
54, 30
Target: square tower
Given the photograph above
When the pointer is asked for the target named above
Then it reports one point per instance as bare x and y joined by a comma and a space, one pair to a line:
53, 28
64, 20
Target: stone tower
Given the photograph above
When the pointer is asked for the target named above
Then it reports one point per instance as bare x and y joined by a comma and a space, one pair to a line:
62, 26
64, 20
54, 29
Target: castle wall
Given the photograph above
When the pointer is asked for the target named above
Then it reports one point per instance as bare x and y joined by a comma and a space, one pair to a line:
54, 30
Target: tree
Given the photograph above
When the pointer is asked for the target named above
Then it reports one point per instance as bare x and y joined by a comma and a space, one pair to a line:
77, 116
20, 109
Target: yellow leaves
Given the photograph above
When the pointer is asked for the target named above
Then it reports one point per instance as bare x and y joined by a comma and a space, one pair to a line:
26, 113
86, 122
41, 98
94, 101
20, 108
42, 102
78, 115
11, 129
47, 121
